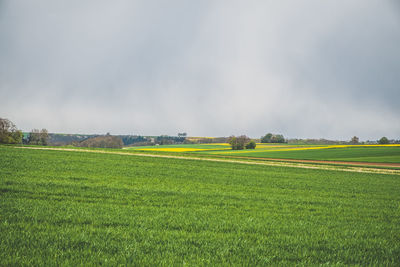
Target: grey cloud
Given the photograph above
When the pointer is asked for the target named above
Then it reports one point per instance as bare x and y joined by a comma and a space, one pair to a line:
305, 69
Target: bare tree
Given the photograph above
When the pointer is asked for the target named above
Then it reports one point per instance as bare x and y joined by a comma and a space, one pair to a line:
34, 137
354, 140
43, 137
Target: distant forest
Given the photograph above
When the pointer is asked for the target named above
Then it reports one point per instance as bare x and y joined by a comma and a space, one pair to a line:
9, 134
57, 139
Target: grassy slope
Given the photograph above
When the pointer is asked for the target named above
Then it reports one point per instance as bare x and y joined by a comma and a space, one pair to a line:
367, 154
81, 208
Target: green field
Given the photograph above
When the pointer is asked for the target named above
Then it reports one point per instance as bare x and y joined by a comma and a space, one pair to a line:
363, 154
374, 153
77, 208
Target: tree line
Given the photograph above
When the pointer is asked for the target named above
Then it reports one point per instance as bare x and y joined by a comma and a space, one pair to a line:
9, 134
37, 137
273, 138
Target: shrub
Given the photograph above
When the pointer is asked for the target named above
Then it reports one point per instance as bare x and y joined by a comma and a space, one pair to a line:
251, 145
238, 143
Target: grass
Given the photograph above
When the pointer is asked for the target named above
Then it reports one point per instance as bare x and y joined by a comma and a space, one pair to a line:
366, 154
74, 208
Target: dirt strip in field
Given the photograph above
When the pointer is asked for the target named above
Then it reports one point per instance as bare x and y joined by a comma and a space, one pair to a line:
300, 164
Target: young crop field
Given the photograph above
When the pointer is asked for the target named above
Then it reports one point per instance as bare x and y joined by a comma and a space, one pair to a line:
389, 154
77, 208
354, 153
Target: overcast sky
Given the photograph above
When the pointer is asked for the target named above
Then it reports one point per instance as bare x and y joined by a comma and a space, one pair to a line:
306, 69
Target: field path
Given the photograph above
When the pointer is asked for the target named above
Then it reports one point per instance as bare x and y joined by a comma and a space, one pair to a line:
305, 164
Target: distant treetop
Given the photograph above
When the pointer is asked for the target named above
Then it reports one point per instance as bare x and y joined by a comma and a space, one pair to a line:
383, 141
272, 138
9, 133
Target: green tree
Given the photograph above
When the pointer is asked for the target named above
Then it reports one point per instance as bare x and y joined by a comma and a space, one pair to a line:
251, 145
17, 137
272, 138
9, 133
278, 138
266, 138
238, 143
383, 141
232, 140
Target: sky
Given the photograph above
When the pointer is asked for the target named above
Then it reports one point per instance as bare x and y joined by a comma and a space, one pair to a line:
304, 69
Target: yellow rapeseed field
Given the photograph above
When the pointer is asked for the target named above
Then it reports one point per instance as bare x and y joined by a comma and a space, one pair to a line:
259, 148
217, 144
179, 149
294, 148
